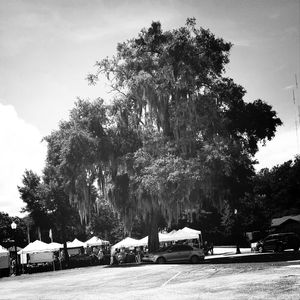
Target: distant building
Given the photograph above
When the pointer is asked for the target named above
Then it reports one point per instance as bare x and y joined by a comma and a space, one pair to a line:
286, 224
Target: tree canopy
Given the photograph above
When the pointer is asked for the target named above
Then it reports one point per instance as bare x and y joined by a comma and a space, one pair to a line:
278, 188
6, 232
176, 136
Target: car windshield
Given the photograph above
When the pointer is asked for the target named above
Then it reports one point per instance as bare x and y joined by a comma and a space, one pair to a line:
163, 249
175, 248
270, 237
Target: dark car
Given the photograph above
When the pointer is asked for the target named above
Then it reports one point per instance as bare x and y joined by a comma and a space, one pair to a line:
279, 242
176, 253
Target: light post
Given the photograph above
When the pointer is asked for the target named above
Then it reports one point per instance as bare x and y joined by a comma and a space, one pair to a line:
14, 229
238, 251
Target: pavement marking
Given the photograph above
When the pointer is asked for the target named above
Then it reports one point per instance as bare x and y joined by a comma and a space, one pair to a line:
173, 277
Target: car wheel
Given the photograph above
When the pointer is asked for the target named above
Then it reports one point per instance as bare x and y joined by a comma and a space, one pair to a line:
260, 249
161, 260
195, 259
279, 248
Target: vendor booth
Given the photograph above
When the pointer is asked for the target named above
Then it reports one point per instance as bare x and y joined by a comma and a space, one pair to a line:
162, 237
95, 244
186, 233
75, 247
95, 241
37, 252
4, 262
126, 243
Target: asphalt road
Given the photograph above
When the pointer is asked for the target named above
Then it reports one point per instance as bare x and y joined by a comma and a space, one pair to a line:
263, 280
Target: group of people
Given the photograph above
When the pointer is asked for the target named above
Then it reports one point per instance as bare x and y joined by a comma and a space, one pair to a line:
125, 255
117, 255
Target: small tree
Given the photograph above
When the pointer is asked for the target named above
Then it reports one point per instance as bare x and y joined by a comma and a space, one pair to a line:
31, 193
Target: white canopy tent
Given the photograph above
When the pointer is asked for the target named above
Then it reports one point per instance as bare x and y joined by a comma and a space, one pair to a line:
95, 241
56, 246
76, 244
179, 235
75, 247
3, 251
4, 258
126, 243
38, 251
190, 230
163, 237
187, 234
36, 247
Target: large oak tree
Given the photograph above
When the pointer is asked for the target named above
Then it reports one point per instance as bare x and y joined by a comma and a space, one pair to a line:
176, 137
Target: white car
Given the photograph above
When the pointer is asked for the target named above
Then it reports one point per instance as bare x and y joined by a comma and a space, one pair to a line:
176, 253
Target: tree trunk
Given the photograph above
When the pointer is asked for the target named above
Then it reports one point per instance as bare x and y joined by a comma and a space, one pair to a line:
28, 233
66, 254
166, 122
237, 233
39, 233
153, 240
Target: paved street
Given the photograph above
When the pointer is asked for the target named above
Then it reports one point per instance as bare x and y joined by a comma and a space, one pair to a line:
271, 280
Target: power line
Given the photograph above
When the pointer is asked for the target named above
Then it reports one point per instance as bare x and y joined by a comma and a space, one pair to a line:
296, 124
294, 97
297, 115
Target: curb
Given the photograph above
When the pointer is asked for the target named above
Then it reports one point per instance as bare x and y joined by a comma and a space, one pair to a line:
251, 257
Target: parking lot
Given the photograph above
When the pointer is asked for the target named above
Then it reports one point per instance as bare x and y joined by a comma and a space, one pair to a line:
235, 280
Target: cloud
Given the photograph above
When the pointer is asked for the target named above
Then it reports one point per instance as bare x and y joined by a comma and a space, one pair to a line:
274, 16
279, 150
21, 148
241, 42
289, 87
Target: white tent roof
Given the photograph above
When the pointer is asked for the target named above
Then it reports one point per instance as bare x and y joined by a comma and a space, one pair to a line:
55, 246
190, 230
187, 234
163, 237
181, 234
3, 250
278, 221
126, 243
95, 241
75, 244
36, 246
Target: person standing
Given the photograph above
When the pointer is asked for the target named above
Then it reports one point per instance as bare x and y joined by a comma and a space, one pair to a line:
100, 255
138, 255
13, 267
112, 255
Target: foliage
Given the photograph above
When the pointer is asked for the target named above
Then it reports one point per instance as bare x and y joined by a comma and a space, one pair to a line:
105, 223
272, 193
279, 188
47, 208
177, 135
31, 193
6, 233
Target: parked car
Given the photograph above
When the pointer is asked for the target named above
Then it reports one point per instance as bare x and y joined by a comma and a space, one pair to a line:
279, 242
176, 253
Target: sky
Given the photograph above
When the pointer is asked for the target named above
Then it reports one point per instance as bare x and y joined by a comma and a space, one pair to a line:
47, 48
